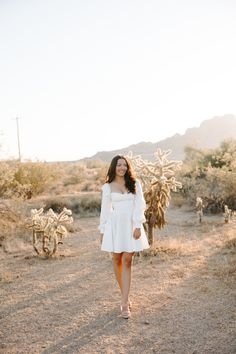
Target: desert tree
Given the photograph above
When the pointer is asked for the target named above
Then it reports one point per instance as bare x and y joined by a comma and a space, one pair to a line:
158, 180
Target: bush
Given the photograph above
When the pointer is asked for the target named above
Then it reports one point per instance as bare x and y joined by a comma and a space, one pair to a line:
210, 174
91, 164
81, 205
77, 173
36, 176
24, 179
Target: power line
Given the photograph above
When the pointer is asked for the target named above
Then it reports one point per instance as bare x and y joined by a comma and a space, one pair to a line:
18, 137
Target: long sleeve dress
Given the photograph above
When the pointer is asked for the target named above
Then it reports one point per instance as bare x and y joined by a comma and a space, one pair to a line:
120, 215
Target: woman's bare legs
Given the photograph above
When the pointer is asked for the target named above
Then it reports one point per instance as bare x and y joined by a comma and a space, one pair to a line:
126, 277
117, 264
122, 263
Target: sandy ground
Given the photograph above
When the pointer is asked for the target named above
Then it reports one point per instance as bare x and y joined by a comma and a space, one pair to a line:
184, 298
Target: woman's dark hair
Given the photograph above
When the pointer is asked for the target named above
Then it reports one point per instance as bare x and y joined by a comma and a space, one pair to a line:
129, 175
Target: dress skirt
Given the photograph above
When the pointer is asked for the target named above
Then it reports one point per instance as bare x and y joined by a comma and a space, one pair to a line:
120, 225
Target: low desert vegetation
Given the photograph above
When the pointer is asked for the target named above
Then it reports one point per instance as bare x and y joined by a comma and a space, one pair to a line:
205, 174
34, 185
49, 229
158, 179
188, 274
26, 180
210, 175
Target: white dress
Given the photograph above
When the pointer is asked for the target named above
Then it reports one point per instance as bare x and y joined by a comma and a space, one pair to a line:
120, 215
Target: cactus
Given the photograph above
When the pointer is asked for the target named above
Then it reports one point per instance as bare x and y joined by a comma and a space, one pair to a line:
158, 180
227, 213
49, 228
199, 208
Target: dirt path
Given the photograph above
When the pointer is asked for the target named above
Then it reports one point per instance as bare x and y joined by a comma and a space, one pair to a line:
184, 298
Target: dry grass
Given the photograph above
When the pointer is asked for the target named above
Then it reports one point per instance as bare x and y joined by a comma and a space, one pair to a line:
172, 247
225, 267
12, 225
231, 243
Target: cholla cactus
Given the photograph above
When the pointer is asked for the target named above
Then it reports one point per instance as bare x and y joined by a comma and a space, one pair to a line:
199, 208
49, 228
227, 213
158, 180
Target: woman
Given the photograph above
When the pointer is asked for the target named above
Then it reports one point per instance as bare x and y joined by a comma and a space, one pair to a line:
122, 215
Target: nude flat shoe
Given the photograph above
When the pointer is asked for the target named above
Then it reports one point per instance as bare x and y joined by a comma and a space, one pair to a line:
125, 311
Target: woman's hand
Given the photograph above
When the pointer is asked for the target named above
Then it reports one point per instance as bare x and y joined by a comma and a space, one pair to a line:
137, 233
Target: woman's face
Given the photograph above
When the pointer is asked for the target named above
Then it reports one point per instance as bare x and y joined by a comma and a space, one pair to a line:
121, 168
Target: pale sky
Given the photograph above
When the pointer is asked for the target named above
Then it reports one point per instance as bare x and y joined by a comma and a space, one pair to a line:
92, 75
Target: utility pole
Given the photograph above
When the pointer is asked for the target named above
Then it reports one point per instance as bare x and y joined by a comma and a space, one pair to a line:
18, 137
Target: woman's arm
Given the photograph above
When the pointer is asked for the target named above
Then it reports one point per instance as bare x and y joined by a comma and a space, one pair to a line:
139, 208
105, 207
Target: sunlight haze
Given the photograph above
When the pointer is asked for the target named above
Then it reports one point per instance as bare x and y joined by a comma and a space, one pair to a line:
86, 76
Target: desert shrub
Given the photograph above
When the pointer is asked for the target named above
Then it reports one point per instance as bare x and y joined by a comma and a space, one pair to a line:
177, 199
56, 204
91, 164
81, 205
36, 176
83, 176
211, 175
6, 179
88, 187
100, 174
11, 223
74, 179
24, 179
91, 204
77, 173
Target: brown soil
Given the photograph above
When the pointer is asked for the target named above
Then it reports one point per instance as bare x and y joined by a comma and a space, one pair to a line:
184, 295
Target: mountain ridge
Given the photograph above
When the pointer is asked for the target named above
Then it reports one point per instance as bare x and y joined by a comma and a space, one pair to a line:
209, 134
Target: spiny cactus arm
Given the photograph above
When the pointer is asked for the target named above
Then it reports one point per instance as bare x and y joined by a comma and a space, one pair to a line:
227, 210
64, 215
130, 156
64, 219
61, 230
173, 164
55, 241
70, 220
51, 214
64, 212
145, 168
37, 212
177, 186
35, 242
68, 212
165, 192
49, 226
173, 184
162, 153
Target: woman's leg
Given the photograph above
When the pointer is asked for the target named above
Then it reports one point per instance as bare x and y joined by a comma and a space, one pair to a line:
117, 264
126, 277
